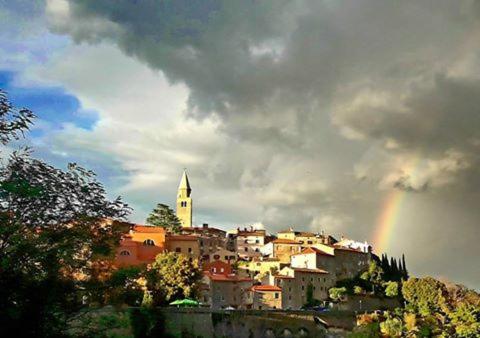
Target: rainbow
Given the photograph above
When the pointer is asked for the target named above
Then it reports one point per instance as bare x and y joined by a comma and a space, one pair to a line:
390, 210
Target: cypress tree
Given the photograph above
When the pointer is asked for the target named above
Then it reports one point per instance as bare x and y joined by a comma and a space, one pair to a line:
404, 265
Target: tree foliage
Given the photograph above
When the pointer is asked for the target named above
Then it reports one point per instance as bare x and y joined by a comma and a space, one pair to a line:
394, 270
53, 235
164, 217
13, 121
425, 295
391, 289
433, 309
173, 276
337, 294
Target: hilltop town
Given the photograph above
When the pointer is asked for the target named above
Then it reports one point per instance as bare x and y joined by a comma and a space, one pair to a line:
249, 268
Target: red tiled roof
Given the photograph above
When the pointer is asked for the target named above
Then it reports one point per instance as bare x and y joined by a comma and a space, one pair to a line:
310, 270
266, 288
285, 241
148, 229
227, 278
182, 238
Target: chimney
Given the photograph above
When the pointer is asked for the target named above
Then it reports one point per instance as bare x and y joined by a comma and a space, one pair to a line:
205, 225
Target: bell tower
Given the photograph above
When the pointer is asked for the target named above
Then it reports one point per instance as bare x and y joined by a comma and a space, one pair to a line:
184, 202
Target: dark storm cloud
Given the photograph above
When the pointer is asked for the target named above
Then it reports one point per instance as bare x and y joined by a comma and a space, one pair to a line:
270, 58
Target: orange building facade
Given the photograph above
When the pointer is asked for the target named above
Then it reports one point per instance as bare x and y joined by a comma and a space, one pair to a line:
141, 245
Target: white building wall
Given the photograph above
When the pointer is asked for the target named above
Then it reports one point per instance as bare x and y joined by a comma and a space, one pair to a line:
307, 261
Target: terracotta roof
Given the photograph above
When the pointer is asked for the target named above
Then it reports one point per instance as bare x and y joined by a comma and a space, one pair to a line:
266, 288
285, 241
313, 250
228, 278
147, 228
202, 229
310, 270
182, 238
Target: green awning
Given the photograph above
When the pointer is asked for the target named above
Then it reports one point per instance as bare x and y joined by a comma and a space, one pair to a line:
185, 302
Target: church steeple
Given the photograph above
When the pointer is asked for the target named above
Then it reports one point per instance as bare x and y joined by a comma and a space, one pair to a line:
184, 185
184, 201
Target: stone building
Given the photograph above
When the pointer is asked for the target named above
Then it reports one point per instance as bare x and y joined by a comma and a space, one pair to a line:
223, 255
341, 262
306, 239
282, 249
184, 244
295, 284
227, 291
210, 239
266, 297
249, 242
260, 265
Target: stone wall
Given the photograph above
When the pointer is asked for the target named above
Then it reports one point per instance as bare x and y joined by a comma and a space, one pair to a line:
238, 324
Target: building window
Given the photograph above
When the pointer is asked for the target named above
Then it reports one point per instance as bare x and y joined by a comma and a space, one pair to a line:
178, 249
276, 295
257, 241
214, 270
222, 270
125, 253
289, 289
216, 257
189, 250
257, 250
246, 249
149, 242
246, 241
309, 242
303, 287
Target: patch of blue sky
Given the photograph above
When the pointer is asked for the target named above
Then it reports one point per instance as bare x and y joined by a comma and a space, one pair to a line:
53, 106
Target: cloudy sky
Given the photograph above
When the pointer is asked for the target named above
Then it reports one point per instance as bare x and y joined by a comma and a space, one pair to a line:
314, 114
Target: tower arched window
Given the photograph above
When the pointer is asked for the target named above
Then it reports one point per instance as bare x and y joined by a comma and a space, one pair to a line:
149, 242
125, 253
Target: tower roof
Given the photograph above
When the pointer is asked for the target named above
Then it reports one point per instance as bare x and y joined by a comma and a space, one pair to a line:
184, 183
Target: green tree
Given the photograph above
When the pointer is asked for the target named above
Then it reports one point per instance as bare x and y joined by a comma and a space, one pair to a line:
337, 293
466, 320
374, 275
173, 276
425, 295
391, 289
165, 217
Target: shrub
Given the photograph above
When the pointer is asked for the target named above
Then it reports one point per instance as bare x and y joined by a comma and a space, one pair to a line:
337, 293
391, 327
